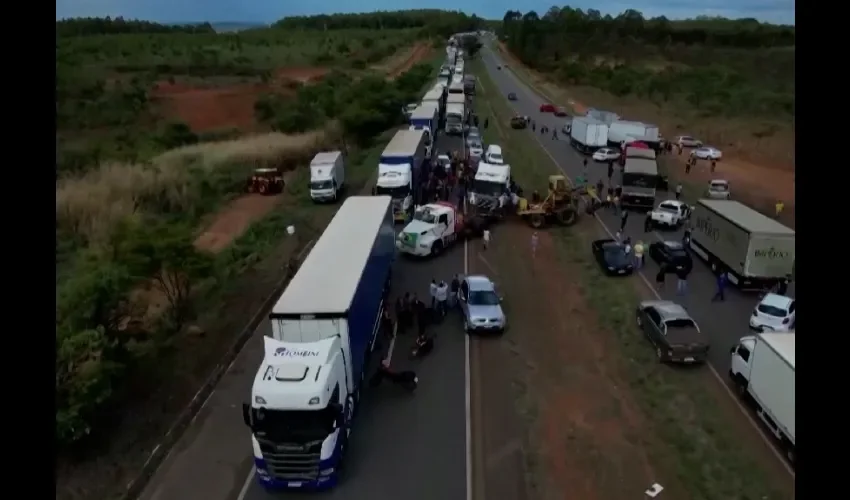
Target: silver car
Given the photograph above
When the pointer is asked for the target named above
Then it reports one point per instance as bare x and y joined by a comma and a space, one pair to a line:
687, 141
481, 306
718, 189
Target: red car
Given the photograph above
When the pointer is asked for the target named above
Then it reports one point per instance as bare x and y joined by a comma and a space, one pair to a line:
560, 111
547, 108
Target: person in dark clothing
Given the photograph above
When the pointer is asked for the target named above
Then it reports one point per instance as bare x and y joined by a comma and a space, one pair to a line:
610, 171
782, 286
402, 308
624, 218
688, 167
454, 287
721, 287
584, 162
475, 120
713, 165
647, 223
659, 277
686, 236
682, 280
554, 134
486, 123
533, 127
387, 324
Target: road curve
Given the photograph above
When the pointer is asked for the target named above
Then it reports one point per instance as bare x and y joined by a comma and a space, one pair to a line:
396, 438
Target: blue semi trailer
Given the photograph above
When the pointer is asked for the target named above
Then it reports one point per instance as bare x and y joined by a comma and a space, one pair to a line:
324, 328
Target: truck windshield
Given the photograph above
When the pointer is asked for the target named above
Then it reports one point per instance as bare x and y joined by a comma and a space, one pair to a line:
454, 119
294, 425
640, 180
425, 215
326, 184
395, 193
488, 188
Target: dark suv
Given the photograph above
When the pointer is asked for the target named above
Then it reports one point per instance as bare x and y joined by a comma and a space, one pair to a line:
672, 253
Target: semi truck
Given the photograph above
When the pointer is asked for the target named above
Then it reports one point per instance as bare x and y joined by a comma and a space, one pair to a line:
763, 369
434, 228
755, 251
455, 114
456, 87
399, 171
640, 178
435, 96
639, 131
327, 176
490, 190
324, 328
588, 134
425, 118
606, 117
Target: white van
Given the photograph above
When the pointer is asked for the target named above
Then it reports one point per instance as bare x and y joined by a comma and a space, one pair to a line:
493, 155
327, 176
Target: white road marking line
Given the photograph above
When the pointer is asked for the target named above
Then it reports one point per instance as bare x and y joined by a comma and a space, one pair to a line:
248, 480
717, 376
482, 259
467, 382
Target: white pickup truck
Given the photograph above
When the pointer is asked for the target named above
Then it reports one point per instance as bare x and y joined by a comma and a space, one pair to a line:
670, 214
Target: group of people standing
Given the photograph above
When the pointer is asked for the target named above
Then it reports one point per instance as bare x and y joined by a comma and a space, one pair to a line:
412, 314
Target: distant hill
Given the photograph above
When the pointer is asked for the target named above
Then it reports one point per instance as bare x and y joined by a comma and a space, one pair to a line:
227, 26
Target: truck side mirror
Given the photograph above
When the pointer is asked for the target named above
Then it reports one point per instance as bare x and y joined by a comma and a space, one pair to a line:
246, 414
733, 349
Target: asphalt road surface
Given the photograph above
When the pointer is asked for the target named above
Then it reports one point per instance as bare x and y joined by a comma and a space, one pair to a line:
724, 322
403, 446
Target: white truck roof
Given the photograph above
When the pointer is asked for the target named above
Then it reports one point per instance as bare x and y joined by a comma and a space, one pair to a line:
745, 217
404, 143
495, 173
328, 277
427, 110
456, 99
433, 95
325, 157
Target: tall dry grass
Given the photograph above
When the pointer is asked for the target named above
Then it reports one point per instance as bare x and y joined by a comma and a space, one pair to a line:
177, 181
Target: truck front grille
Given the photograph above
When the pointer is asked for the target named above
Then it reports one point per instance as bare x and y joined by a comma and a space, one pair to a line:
292, 461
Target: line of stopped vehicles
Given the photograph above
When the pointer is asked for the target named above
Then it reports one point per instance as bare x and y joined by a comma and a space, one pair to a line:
322, 351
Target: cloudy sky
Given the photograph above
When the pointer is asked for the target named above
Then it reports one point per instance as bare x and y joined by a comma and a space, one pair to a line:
776, 11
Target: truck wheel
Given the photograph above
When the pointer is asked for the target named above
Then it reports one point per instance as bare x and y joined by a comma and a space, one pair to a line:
741, 387
713, 267
537, 220
437, 248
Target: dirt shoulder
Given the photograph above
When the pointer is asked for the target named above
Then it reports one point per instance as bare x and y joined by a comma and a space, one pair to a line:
757, 176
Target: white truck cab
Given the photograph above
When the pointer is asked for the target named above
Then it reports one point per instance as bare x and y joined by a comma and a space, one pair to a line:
396, 181
327, 175
434, 228
300, 410
492, 181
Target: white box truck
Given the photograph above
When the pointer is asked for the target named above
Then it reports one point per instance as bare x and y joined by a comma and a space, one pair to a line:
763, 370
755, 250
435, 96
588, 134
327, 176
324, 327
639, 131
455, 114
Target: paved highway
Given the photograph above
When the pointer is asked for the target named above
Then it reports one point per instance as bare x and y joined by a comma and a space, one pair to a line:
724, 322
403, 446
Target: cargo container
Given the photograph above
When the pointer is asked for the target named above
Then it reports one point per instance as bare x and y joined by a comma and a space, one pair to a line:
588, 134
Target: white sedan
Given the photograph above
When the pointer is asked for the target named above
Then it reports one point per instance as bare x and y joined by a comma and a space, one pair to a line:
775, 313
707, 153
606, 154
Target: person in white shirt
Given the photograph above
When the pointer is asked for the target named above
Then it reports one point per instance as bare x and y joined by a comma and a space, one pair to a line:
442, 296
432, 291
486, 238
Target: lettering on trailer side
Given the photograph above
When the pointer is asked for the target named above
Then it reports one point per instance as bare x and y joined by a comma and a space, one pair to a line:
287, 352
772, 253
705, 226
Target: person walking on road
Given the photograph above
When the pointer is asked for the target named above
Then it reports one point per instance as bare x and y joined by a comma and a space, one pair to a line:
432, 291
688, 167
639, 255
659, 277
780, 206
486, 238
554, 134
610, 171
442, 297
682, 280
678, 190
624, 218
453, 289
534, 240
647, 223
686, 236
782, 286
721, 287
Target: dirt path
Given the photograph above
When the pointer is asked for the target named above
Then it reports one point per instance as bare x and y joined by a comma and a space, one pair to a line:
234, 219
586, 437
757, 184
418, 53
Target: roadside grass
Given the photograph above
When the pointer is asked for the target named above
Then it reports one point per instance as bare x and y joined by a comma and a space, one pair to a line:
702, 448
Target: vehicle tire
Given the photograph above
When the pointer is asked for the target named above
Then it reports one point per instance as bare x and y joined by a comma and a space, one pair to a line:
741, 387
567, 217
537, 220
437, 248
264, 188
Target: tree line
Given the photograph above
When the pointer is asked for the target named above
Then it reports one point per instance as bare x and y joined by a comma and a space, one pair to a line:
714, 66
430, 21
85, 26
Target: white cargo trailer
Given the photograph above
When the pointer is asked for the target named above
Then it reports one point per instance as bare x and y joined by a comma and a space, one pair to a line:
643, 132
588, 134
754, 249
763, 369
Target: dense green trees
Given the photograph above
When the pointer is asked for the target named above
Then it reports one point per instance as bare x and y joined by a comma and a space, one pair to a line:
718, 66
430, 21
82, 26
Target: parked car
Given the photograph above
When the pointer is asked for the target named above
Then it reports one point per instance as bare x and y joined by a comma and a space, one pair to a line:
707, 153
444, 161
476, 149
561, 111
611, 257
670, 214
718, 189
675, 335
481, 306
512, 96
606, 154
670, 253
687, 141
774, 313
547, 108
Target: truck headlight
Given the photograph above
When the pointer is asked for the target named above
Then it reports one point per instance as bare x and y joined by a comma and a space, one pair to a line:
327, 472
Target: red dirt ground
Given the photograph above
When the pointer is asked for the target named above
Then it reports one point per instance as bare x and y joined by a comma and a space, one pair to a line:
304, 75
586, 435
233, 220
419, 53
